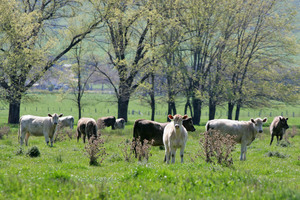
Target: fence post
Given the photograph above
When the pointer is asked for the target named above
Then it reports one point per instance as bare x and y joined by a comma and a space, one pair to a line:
293, 114
95, 110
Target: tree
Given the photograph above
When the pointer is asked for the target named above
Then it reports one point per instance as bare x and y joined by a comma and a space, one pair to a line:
127, 31
29, 38
81, 72
261, 40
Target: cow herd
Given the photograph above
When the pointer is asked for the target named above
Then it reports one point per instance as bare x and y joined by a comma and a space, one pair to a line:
172, 135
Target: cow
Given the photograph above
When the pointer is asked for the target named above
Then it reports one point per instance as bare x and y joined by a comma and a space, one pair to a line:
278, 128
38, 126
153, 131
86, 127
67, 121
120, 123
106, 122
244, 131
174, 137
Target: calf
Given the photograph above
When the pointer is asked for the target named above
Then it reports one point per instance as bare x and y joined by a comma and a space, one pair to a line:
120, 123
278, 128
244, 131
38, 126
175, 136
86, 127
106, 122
67, 121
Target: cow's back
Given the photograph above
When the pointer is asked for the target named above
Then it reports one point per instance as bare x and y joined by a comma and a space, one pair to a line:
35, 125
149, 130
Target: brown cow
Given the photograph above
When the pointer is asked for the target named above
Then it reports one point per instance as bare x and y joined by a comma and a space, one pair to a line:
151, 130
278, 128
86, 127
106, 122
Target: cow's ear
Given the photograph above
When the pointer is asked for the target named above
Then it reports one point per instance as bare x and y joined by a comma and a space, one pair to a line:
280, 117
265, 119
252, 120
49, 115
184, 117
286, 118
60, 115
170, 116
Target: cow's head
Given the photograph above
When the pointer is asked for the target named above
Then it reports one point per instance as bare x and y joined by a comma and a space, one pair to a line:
258, 122
283, 122
55, 118
177, 119
188, 124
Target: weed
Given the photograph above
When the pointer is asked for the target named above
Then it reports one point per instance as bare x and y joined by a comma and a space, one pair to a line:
276, 154
33, 152
19, 151
95, 149
59, 159
4, 131
216, 146
126, 148
63, 134
290, 134
142, 149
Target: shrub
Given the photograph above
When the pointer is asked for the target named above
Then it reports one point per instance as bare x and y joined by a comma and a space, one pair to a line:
33, 152
142, 150
126, 148
275, 154
216, 147
95, 149
19, 151
290, 134
4, 131
63, 134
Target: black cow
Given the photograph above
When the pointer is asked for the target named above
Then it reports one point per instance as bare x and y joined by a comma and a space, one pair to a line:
278, 128
106, 122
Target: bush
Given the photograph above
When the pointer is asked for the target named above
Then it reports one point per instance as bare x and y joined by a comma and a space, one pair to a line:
94, 150
142, 150
275, 154
33, 152
63, 134
216, 147
4, 131
126, 148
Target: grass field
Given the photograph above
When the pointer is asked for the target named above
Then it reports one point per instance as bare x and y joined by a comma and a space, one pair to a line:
63, 171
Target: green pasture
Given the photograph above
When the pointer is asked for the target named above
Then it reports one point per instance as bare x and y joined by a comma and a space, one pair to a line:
63, 171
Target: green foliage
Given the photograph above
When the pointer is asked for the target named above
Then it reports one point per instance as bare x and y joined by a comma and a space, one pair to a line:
33, 152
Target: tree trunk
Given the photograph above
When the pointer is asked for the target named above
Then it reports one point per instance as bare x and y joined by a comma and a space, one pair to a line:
230, 109
79, 109
237, 111
197, 104
123, 108
14, 112
212, 109
152, 98
171, 109
188, 105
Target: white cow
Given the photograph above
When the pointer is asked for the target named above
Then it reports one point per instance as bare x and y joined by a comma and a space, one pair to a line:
38, 126
67, 121
175, 136
244, 131
120, 123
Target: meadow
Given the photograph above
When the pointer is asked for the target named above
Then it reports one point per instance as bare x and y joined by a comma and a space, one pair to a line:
63, 171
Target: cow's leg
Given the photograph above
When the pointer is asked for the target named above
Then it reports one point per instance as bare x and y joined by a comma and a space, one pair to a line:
167, 154
22, 136
51, 140
243, 151
78, 135
173, 153
26, 138
46, 137
272, 136
84, 138
277, 139
181, 154
280, 138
